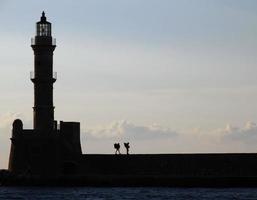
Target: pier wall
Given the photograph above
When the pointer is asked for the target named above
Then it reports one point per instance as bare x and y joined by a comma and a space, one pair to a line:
175, 165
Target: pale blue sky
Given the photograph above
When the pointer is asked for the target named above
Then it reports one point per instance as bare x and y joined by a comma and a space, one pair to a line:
188, 66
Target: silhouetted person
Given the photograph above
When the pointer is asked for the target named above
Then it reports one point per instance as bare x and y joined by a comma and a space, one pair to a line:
117, 147
127, 147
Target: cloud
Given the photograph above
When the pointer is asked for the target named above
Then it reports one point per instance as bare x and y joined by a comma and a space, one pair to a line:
126, 130
158, 139
247, 134
7, 119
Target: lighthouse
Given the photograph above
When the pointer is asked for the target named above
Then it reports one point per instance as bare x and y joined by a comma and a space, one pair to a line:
47, 149
43, 77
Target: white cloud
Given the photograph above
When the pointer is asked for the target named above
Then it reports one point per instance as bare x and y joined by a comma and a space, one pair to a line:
245, 134
126, 130
159, 139
7, 119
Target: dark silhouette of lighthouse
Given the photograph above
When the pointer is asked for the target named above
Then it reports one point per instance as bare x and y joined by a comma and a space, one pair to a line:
43, 77
47, 149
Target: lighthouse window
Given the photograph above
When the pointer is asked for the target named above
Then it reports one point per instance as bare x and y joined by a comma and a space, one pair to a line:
44, 30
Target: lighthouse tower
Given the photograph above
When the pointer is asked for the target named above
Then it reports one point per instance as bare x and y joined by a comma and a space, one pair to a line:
43, 77
44, 150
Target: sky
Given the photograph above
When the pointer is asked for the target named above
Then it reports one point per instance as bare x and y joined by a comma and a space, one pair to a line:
168, 76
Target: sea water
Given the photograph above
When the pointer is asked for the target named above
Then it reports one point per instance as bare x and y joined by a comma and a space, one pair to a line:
90, 193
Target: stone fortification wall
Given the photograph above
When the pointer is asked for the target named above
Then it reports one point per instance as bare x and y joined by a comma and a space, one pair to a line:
174, 165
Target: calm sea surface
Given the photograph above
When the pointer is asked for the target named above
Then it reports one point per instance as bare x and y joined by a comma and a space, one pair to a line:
125, 193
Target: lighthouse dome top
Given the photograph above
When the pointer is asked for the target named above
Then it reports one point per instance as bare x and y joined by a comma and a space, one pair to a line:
43, 19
